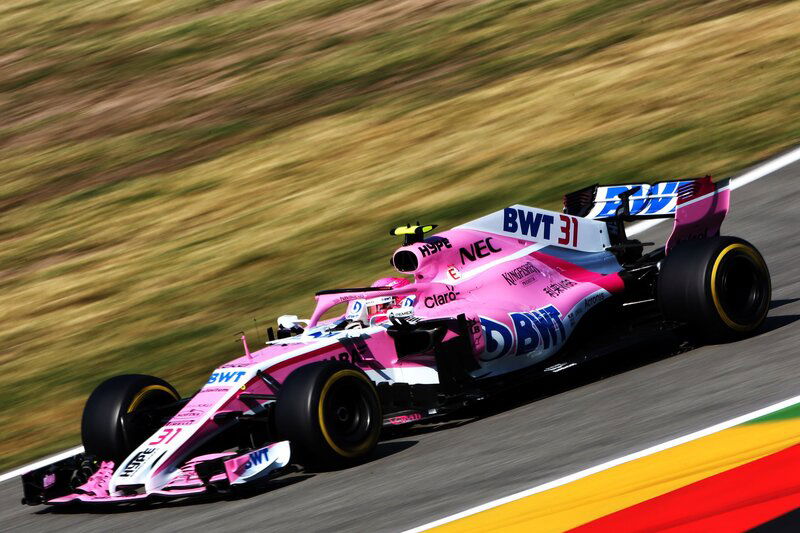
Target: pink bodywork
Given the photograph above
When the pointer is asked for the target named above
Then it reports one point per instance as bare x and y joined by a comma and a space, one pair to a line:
700, 212
522, 277
526, 296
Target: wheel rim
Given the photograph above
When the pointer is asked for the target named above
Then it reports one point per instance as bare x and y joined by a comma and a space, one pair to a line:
741, 287
347, 414
136, 426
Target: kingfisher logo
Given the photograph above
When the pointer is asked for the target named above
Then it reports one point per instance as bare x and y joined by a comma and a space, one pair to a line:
225, 377
525, 273
532, 331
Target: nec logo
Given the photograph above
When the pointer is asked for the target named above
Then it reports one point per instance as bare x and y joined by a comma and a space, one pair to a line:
226, 377
434, 245
478, 250
527, 223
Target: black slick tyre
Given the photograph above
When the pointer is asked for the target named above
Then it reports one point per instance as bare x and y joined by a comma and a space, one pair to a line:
113, 423
720, 287
331, 414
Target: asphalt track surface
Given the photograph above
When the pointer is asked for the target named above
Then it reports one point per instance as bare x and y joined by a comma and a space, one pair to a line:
575, 422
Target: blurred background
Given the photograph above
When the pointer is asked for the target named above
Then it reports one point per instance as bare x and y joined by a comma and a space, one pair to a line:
171, 170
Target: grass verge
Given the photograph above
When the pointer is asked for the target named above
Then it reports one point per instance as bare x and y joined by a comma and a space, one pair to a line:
170, 170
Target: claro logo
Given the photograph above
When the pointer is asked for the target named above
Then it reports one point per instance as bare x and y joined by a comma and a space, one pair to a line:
440, 299
478, 250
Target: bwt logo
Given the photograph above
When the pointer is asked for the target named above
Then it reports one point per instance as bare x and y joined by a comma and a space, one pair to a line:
540, 329
226, 377
256, 458
658, 199
527, 222
499, 339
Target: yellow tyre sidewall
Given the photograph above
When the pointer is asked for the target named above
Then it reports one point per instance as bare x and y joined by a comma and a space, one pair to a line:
139, 396
758, 260
365, 446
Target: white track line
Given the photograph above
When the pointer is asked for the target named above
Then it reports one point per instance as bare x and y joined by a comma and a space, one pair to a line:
752, 175
40, 463
614, 462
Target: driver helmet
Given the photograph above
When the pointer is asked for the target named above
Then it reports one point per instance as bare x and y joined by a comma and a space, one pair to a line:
380, 304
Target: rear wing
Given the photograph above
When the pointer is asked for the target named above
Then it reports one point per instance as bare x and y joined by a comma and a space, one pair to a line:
645, 200
698, 206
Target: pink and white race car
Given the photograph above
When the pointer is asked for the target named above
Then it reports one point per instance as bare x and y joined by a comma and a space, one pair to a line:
516, 294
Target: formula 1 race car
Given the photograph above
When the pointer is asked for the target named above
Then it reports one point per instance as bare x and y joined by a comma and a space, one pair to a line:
518, 293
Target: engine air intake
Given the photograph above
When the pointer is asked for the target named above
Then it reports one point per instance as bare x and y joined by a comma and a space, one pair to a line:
405, 261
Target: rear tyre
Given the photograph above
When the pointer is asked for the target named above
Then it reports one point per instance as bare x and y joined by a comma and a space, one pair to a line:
330, 412
110, 428
720, 287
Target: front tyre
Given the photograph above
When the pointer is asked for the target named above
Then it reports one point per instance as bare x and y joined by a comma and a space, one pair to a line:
115, 420
330, 412
720, 287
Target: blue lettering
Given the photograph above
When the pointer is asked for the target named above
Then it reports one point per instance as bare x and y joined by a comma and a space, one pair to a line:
613, 202
657, 204
499, 339
509, 220
545, 327
257, 457
225, 377
528, 224
527, 336
640, 199
548, 221
555, 316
